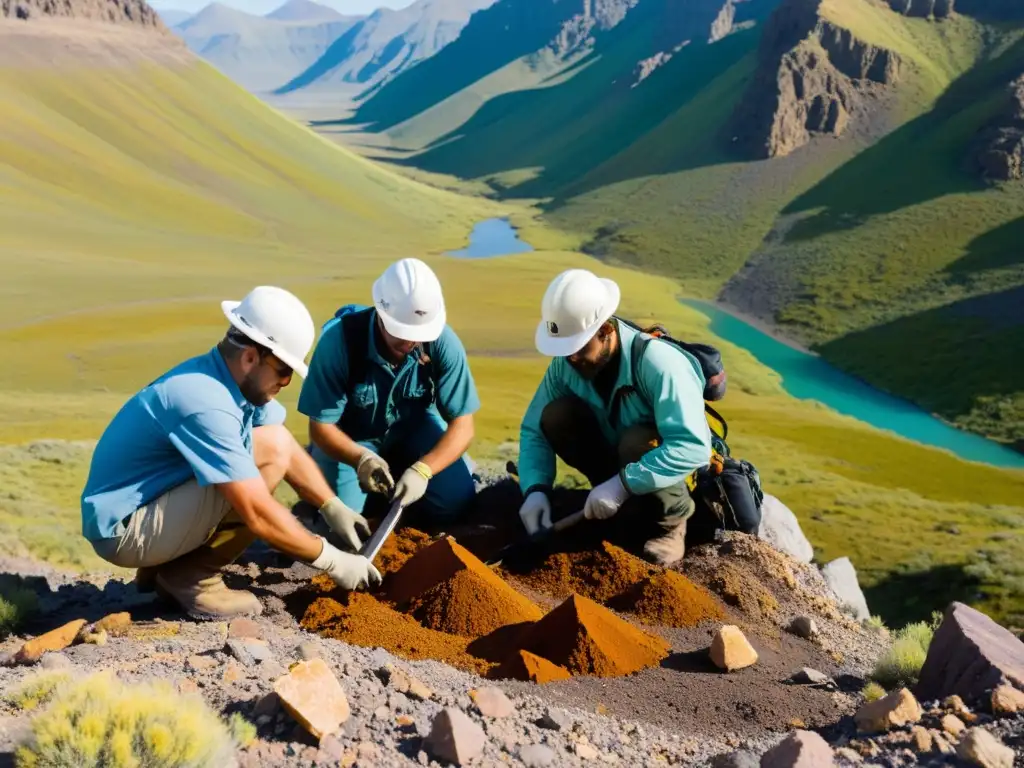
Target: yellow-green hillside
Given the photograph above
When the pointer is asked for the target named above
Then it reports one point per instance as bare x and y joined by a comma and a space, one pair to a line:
135, 197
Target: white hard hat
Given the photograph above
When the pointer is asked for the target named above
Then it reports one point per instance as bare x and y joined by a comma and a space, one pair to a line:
409, 301
276, 319
575, 305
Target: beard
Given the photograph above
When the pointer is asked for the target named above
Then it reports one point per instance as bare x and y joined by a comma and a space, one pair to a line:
588, 369
251, 391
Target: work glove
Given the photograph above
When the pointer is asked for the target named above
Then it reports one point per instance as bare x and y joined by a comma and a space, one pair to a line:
412, 484
605, 500
349, 571
536, 512
344, 521
374, 474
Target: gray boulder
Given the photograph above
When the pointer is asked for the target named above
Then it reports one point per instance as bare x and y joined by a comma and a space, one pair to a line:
841, 577
781, 529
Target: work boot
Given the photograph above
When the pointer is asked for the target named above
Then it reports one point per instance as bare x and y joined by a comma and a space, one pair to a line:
670, 547
194, 580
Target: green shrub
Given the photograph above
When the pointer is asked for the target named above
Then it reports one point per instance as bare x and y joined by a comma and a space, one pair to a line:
100, 721
36, 690
901, 664
242, 731
873, 692
16, 605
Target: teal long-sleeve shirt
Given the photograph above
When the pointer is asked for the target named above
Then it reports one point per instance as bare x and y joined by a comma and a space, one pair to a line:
675, 384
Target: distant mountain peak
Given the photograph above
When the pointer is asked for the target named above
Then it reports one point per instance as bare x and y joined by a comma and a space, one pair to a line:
304, 10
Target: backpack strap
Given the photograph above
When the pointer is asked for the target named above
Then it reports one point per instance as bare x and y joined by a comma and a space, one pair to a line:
355, 329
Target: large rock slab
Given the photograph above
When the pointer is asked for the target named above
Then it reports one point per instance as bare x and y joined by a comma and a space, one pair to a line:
454, 737
730, 649
781, 529
55, 640
313, 696
970, 656
892, 711
841, 577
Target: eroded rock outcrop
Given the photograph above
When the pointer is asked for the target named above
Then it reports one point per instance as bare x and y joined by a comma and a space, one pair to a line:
133, 12
810, 80
923, 9
999, 152
594, 16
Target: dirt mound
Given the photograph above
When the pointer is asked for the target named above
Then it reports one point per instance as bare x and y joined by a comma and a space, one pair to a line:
523, 665
398, 548
599, 574
670, 599
449, 589
588, 639
361, 619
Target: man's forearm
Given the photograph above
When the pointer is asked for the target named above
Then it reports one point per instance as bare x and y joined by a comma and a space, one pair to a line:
335, 443
453, 443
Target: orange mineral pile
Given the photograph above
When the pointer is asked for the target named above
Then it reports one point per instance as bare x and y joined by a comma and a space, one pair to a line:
523, 665
670, 599
599, 574
588, 639
447, 588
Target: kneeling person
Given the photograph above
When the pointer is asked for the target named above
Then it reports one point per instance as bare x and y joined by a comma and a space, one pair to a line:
590, 411
390, 395
181, 480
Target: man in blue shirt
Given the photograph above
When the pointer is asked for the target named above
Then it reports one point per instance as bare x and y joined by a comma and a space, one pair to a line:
632, 433
390, 394
181, 480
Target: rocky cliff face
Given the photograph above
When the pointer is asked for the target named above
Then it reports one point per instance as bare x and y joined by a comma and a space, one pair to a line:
811, 79
594, 16
999, 152
131, 12
923, 9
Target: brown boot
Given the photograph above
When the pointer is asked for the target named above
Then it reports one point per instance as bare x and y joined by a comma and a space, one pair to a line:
194, 580
668, 548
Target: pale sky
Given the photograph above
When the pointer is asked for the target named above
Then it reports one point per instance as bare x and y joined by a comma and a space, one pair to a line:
353, 7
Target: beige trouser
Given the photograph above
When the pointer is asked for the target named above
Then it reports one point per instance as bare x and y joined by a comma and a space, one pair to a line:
181, 520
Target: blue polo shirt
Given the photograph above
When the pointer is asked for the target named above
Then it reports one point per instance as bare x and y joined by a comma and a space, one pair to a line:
388, 395
192, 422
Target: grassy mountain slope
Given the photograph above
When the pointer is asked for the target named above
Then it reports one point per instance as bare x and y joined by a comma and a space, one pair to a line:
385, 43
261, 52
140, 187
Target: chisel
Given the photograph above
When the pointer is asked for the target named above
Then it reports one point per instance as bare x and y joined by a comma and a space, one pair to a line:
387, 525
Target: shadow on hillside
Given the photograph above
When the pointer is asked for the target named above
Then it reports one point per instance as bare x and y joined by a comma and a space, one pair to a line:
970, 345
925, 159
904, 598
999, 248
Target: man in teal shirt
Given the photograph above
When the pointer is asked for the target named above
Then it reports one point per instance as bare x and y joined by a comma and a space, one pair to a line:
181, 481
631, 433
390, 394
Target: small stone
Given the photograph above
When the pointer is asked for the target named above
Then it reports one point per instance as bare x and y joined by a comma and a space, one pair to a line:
1007, 700
199, 663
536, 756
233, 673
240, 651
800, 749
892, 711
55, 661
953, 725
309, 651
331, 749
367, 751
454, 737
263, 720
244, 628
403, 682
741, 758
922, 738
803, 626
115, 624
981, 748
808, 676
313, 696
555, 719
55, 640
730, 649
492, 702
404, 721
849, 755
187, 686
259, 650
585, 751
956, 705
382, 713
269, 705
95, 638
942, 744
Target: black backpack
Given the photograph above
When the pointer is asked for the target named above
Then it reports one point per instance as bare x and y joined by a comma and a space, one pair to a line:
726, 491
709, 358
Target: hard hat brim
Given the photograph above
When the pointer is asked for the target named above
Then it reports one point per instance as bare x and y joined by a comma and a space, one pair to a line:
418, 333
299, 366
563, 346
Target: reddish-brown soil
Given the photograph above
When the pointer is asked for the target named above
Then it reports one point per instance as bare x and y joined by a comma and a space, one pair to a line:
599, 574
669, 599
523, 665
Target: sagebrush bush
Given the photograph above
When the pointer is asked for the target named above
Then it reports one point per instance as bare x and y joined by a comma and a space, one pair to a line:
16, 605
901, 665
100, 721
36, 690
873, 692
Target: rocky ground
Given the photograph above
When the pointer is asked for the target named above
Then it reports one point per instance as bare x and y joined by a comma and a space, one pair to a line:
799, 703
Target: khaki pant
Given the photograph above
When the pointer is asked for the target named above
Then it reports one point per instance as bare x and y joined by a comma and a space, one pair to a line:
181, 520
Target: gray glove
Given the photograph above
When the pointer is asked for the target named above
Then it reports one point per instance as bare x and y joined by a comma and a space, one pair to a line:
412, 484
374, 474
348, 571
343, 521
